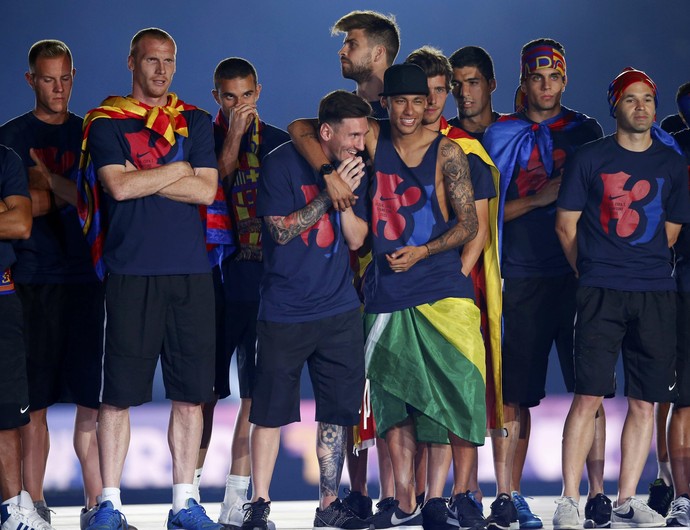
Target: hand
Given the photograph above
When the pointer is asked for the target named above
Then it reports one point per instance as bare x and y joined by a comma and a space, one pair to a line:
239, 119
339, 192
352, 171
404, 258
39, 175
548, 193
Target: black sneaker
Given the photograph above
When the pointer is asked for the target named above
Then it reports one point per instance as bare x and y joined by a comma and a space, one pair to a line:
338, 516
390, 516
465, 510
660, 496
358, 504
598, 512
256, 515
436, 515
504, 515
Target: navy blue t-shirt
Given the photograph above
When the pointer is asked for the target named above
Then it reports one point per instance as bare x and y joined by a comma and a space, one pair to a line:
153, 235
309, 277
625, 198
57, 251
241, 279
682, 246
12, 182
531, 248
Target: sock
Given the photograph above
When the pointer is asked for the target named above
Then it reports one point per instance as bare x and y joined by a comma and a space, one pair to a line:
664, 472
181, 493
236, 486
112, 495
197, 480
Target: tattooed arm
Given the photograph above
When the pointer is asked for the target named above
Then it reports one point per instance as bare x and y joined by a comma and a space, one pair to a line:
284, 228
330, 451
459, 194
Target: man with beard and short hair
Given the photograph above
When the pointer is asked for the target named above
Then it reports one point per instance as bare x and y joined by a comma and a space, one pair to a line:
152, 155
621, 206
530, 149
472, 85
371, 44
309, 310
62, 299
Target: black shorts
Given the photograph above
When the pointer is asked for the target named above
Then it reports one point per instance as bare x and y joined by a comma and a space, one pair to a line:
63, 332
14, 389
536, 313
152, 316
333, 348
235, 333
641, 325
683, 349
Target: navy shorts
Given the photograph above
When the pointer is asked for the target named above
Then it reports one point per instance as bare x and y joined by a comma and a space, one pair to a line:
641, 325
63, 331
235, 334
536, 313
332, 347
148, 317
14, 389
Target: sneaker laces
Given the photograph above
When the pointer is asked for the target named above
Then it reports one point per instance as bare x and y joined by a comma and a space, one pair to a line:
385, 503
679, 506
197, 513
520, 502
566, 501
251, 510
106, 516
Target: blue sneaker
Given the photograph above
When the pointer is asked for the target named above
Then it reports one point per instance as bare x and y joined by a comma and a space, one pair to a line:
193, 517
107, 518
525, 516
476, 502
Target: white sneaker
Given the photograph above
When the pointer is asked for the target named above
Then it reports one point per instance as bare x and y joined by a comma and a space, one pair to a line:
567, 515
232, 516
634, 513
22, 516
679, 513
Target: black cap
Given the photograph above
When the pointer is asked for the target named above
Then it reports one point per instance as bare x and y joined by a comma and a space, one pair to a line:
404, 79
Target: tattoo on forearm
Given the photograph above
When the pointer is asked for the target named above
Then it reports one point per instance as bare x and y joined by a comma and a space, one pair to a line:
284, 228
456, 177
330, 450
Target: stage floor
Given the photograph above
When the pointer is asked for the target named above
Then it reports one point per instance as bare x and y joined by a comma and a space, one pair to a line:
297, 515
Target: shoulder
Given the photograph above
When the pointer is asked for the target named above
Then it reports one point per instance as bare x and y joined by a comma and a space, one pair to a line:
274, 135
15, 125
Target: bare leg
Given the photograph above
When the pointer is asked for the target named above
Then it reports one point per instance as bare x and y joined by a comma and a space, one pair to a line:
464, 461
473, 484
679, 449
596, 455
422, 479
435, 470
356, 465
241, 462
10, 463
504, 448
330, 451
386, 481
207, 410
113, 442
86, 449
635, 442
184, 439
402, 446
264, 442
525, 422
35, 448
578, 434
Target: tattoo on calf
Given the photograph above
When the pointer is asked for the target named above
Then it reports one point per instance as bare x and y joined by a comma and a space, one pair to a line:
330, 449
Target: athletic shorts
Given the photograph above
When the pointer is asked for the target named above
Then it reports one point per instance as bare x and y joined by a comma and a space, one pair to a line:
536, 313
148, 317
683, 349
332, 347
14, 389
63, 332
235, 333
641, 325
